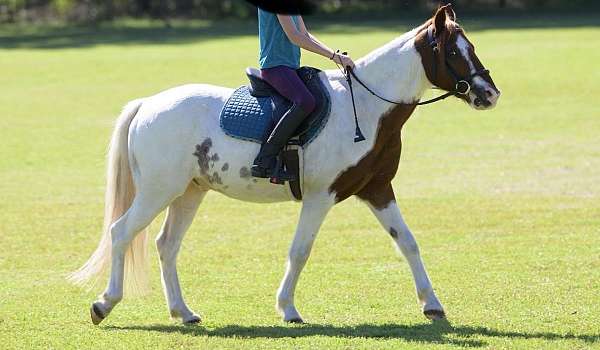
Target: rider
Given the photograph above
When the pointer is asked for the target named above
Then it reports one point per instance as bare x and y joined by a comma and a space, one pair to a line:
281, 37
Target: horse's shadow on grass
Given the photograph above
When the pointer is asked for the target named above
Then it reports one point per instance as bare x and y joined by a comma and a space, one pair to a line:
441, 332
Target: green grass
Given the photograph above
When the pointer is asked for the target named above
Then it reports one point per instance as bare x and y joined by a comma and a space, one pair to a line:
505, 204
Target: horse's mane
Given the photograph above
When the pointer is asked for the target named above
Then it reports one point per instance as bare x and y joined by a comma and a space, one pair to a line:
399, 43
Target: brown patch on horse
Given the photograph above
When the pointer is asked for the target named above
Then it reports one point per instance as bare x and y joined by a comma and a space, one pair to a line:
370, 178
215, 179
438, 76
202, 155
245, 173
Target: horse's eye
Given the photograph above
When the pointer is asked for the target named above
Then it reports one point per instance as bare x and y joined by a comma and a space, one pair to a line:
453, 53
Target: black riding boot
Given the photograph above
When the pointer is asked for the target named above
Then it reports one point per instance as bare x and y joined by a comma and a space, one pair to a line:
266, 164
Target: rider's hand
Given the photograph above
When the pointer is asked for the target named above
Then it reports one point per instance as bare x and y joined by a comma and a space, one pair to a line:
343, 60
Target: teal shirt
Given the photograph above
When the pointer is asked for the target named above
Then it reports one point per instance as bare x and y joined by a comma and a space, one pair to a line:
275, 47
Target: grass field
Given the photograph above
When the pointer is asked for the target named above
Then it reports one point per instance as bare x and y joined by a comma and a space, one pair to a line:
505, 204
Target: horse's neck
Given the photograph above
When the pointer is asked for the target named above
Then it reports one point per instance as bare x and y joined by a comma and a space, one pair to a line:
395, 72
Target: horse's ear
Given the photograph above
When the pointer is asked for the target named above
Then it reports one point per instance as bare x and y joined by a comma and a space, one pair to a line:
450, 12
440, 21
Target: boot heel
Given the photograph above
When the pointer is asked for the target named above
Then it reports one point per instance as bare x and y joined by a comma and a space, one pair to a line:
276, 181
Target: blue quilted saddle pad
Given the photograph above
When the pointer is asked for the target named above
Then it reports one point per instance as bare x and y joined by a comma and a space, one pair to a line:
251, 118
247, 117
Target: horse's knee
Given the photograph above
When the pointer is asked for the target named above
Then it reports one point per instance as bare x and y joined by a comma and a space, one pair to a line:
300, 255
407, 243
411, 247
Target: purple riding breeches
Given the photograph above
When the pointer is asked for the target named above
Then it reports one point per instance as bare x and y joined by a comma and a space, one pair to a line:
287, 82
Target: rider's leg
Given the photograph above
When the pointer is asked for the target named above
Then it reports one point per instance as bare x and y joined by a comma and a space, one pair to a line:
287, 82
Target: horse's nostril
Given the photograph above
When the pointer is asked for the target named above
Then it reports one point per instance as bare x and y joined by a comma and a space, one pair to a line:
489, 93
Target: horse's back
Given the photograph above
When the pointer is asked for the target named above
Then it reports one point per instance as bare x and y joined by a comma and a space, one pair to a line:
180, 100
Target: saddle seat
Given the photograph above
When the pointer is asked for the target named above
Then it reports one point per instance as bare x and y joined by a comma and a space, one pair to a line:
252, 111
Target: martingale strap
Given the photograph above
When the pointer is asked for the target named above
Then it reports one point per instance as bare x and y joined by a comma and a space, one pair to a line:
358, 137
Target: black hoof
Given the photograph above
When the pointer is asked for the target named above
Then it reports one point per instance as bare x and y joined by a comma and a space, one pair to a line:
96, 314
192, 321
295, 320
435, 314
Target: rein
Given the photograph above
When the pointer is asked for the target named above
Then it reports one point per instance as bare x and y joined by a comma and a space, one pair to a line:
462, 86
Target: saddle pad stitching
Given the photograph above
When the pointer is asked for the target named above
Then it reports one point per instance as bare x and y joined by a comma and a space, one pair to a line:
222, 120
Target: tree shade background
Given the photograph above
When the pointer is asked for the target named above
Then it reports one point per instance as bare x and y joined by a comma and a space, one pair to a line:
99, 10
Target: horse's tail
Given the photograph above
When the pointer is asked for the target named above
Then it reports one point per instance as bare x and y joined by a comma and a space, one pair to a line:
120, 192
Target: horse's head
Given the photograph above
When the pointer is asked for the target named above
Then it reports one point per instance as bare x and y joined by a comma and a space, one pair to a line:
450, 61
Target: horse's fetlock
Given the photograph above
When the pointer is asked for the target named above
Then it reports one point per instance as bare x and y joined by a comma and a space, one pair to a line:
112, 299
284, 302
175, 313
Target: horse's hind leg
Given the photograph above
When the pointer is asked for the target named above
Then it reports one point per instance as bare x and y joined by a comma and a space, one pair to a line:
149, 201
179, 217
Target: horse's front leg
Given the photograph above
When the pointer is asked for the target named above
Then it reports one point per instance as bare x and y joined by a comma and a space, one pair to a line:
313, 213
382, 203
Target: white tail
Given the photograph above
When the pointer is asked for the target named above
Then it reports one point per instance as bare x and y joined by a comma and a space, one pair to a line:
120, 192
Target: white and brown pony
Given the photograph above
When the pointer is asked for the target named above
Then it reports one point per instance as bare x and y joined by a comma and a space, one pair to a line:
168, 151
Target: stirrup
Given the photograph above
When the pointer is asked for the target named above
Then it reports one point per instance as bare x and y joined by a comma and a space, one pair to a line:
280, 176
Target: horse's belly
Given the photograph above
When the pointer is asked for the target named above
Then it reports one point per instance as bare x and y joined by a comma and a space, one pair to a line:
224, 166
257, 191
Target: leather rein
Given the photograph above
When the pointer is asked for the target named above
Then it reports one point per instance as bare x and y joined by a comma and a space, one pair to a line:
461, 87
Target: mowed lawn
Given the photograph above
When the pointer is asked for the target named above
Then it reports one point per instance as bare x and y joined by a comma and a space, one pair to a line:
505, 204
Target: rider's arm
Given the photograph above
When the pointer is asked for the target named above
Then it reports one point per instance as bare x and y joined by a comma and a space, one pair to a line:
303, 30
301, 37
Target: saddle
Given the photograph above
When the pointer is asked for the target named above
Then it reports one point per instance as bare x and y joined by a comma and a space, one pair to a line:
253, 111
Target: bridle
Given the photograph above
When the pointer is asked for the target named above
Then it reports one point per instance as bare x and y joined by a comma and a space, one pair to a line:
462, 85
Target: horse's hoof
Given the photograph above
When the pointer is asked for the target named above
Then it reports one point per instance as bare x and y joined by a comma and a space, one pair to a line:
193, 320
295, 320
96, 314
435, 315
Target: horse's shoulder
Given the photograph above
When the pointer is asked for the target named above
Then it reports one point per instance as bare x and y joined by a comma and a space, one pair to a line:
380, 163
